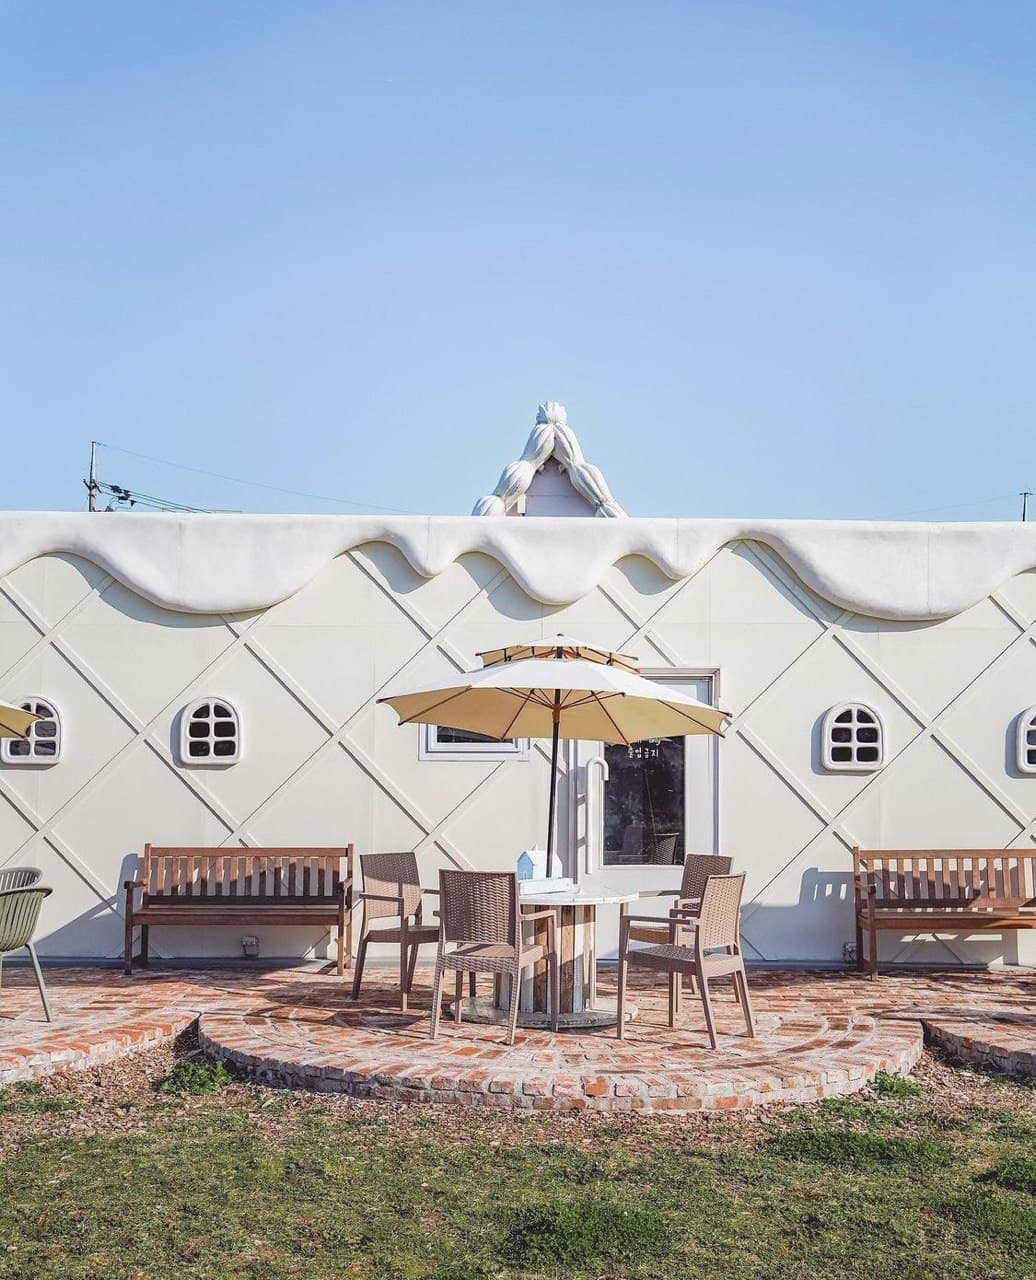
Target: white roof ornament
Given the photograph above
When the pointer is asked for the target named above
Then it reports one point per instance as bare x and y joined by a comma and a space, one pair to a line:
551, 437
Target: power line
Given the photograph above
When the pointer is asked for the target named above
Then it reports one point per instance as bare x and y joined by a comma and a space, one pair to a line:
256, 484
131, 498
955, 506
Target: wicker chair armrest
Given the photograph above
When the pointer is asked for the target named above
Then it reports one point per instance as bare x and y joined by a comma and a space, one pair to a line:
381, 897
660, 920
684, 913
133, 884
546, 913
658, 893
435, 891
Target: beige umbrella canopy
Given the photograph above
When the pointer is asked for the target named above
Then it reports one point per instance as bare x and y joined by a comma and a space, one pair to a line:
559, 646
14, 722
568, 694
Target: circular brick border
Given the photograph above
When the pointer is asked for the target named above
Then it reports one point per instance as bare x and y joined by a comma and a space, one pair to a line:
811, 1044
821, 1033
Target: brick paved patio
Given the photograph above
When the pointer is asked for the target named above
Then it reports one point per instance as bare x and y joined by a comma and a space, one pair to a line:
819, 1034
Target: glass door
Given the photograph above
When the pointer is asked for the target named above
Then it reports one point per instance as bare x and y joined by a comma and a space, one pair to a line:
657, 803
648, 805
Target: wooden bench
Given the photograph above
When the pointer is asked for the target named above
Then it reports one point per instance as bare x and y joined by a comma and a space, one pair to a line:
242, 887
952, 890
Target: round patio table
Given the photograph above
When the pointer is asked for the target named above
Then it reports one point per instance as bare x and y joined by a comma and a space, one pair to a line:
581, 1007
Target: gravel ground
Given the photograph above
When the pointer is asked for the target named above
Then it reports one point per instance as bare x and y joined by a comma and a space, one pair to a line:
119, 1098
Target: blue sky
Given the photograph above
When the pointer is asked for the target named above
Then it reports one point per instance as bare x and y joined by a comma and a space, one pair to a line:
777, 259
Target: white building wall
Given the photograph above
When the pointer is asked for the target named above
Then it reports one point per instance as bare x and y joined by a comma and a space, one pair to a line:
322, 764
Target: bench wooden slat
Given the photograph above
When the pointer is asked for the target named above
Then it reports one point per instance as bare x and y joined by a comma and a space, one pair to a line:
920, 890
187, 885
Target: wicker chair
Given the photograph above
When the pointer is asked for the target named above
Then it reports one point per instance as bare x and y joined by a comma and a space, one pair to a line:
19, 877
19, 915
392, 892
697, 868
716, 950
481, 932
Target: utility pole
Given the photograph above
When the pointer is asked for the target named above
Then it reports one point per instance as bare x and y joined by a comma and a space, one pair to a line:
1025, 496
91, 484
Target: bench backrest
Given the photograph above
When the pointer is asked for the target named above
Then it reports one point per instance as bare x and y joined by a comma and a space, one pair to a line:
282, 875
945, 877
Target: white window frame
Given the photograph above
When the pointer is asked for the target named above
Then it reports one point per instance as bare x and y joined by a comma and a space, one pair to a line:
827, 745
1026, 726
211, 760
430, 748
32, 760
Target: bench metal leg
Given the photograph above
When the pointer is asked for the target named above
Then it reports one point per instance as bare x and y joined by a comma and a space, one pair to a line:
144, 931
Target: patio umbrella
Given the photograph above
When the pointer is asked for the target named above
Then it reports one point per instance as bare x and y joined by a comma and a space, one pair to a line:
14, 722
559, 688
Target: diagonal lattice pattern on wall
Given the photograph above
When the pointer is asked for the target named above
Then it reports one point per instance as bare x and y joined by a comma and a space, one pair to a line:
322, 764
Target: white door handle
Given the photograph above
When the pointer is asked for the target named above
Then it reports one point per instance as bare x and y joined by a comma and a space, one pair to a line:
594, 812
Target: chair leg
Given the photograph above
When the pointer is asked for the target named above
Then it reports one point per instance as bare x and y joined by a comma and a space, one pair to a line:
436, 996
144, 939
39, 980
412, 967
472, 989
741, 985
673, 979
340, 954
361, 957
620, 1023
706, 1000
458, 1003
1, 968
512, 1021
404, 959
555, 991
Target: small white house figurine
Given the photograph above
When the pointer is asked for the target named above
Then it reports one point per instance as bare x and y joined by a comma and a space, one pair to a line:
532, 865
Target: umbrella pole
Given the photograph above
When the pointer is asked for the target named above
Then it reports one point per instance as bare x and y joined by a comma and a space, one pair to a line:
553, 780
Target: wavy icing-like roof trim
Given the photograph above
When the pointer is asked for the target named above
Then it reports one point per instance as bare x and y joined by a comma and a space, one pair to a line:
235, 563
551, 437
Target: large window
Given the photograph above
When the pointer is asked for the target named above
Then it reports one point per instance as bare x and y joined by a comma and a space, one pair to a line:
440, 743
659, 799
644, 803
45, 737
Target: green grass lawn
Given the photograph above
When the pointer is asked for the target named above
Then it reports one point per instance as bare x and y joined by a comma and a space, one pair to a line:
233, 1181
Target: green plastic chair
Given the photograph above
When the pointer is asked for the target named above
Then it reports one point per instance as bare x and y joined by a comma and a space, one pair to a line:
19, 877
19, 914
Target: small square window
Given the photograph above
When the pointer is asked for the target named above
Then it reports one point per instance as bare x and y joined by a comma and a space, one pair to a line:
852, 739
1025, 750
43, 743
210, 733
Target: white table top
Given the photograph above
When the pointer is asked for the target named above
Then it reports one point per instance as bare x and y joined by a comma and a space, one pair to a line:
579, 897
